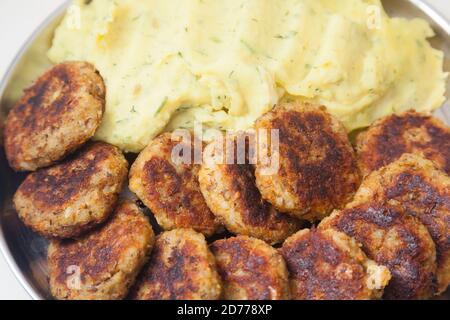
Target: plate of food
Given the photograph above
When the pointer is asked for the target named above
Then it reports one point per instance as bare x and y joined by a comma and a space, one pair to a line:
205, 150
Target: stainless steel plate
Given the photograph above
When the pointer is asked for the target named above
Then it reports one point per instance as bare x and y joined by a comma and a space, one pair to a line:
25, 251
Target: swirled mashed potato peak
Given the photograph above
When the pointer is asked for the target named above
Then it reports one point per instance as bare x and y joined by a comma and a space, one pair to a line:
170, 63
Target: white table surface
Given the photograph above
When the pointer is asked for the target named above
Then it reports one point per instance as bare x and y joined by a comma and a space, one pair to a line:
18, 19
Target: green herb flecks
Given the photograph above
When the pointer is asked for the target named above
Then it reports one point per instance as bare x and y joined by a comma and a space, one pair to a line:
161, 106
289, 35
122, 121
137, 17
248, 46
202, 53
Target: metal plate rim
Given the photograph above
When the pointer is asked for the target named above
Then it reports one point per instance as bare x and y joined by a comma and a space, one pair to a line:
4, 247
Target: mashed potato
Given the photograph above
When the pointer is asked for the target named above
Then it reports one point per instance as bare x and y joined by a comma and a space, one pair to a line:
170, 63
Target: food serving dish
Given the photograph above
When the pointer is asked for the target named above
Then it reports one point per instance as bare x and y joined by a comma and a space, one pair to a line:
25, 251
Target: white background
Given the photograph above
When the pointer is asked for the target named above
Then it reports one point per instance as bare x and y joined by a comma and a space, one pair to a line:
18, 19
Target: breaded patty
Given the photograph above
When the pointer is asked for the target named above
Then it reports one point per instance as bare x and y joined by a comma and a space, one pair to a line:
231, 193
171, 189
250, 269
423, 191
103, 264
67, 199
181, 267
410, 132
328, 265
395, 240
318, 170
55, 116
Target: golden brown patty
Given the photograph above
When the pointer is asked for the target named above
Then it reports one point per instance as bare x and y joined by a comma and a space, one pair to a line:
181, 267
395, 240
421, 190
328, 265
67, 199
231, 193
318, 170
104, 263
55, 116
250, 270
170, 189
410, 132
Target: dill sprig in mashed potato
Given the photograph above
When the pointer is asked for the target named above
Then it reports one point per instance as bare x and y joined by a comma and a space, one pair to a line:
170, 63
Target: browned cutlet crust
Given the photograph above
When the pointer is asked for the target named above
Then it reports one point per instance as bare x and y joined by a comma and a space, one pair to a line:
328, 265
421, 190
181, 267
318, 170
251, 270
171, 190
409, 132
103, 264
232, 195
55, 116
395, 240
70, 198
